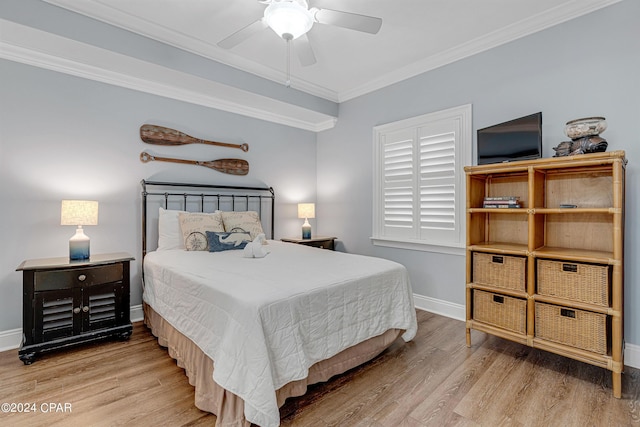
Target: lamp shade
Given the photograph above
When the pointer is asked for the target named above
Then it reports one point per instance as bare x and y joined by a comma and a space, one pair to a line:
79, 212
288, 19
306, 210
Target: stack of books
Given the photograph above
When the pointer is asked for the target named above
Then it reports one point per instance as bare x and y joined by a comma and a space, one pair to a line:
501, 202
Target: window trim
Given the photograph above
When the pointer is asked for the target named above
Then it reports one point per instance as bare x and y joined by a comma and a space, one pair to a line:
463, 153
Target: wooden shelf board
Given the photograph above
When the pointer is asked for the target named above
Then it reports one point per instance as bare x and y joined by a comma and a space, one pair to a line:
596, 359
510, 292
550, 163
562, 211
572, 304
601, 360
519, 211
499, 332
500, 248
571, 254
497, 169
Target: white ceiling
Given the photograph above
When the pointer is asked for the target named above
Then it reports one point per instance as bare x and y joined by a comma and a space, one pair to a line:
416, 35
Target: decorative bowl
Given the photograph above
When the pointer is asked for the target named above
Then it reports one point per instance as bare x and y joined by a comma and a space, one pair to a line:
588, 126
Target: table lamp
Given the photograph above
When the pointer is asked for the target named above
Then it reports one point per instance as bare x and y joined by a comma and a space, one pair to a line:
79, 212
306, 211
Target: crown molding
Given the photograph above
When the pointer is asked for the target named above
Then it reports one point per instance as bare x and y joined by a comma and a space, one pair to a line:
38, 48
115, 17
514, 31
530, 25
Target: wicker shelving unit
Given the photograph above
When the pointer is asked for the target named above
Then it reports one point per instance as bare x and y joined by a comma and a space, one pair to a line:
547, 276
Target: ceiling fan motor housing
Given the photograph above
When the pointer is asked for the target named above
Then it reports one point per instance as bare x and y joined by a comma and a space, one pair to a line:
289, 19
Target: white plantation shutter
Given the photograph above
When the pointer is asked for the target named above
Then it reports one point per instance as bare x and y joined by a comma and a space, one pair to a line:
419, 179
398, 175
437, 181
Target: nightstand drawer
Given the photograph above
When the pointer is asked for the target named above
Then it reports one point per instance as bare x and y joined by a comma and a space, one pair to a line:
89, 276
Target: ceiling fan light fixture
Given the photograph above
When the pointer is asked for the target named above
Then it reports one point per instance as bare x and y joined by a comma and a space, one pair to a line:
288, 19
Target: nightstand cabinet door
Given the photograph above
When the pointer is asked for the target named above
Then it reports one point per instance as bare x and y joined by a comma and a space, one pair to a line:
53, 315
104, 307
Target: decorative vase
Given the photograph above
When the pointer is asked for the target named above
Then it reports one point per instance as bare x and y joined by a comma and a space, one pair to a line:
588, 126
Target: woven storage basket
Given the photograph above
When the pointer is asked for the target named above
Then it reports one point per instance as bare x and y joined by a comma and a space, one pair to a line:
579, 282
568, 326
508, 272
500, 310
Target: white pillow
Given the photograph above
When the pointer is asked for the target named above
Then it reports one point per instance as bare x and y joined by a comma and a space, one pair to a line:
169, 233
248, 221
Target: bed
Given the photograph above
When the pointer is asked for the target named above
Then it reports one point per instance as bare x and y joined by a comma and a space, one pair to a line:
270, 325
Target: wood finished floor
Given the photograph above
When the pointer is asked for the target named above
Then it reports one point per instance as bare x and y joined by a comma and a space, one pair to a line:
433, 381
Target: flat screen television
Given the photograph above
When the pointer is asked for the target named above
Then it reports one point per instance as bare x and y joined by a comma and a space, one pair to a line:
518, 139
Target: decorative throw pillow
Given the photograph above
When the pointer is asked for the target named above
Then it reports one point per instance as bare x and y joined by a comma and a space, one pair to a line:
194, 226
249, 221
226, 241
169, 234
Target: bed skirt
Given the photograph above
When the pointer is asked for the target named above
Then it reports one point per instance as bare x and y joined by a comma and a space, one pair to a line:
229, 408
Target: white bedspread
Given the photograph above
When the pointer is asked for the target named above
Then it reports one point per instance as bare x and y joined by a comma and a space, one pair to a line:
265, 321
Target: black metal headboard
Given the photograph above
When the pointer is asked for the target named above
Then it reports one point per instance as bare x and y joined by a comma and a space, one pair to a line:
206, 198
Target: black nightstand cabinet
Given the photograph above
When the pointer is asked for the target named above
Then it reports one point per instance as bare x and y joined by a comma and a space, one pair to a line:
67, 303
317, 242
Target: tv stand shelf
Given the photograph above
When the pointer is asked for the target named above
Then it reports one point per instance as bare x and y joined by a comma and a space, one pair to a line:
547, 276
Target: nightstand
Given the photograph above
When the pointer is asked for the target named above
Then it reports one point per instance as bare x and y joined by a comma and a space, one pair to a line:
73, 302
316, 242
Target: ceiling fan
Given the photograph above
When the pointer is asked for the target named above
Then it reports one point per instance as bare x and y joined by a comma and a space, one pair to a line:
292, 19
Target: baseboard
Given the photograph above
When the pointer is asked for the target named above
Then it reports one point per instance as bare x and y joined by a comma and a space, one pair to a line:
11, 339
457, 311
632, 355
441, 307
136, 313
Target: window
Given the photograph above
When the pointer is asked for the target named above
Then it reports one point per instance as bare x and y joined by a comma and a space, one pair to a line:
419, 181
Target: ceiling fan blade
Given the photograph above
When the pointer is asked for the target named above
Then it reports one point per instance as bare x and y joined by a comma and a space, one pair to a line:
353, 21
242, 34
304, 51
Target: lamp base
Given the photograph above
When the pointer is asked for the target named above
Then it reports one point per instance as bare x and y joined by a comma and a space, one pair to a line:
79, 245
306, 230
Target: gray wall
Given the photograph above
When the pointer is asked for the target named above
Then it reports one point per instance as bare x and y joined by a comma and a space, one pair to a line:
585, 67
66, 137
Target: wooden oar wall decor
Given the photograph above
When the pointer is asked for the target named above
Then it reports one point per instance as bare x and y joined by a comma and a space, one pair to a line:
160, 135
230, 166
